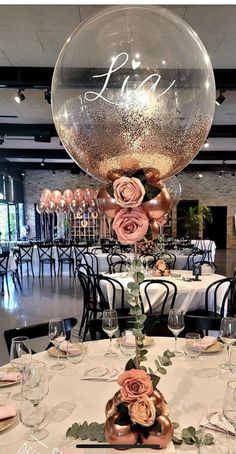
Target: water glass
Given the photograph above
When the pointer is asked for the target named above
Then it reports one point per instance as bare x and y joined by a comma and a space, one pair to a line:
110, 325
192, 348
128, 343
57, 335
20, 357
229, 406
227, 334
176, 325
75, 351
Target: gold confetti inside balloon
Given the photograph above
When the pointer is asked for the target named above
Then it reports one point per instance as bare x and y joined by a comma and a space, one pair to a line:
133, 87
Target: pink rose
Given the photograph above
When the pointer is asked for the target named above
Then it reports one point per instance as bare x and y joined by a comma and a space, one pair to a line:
130, 225
166, 273
128, 192
161, 265
135, 383
143, 411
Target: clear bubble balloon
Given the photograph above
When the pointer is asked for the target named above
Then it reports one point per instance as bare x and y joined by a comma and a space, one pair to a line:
133, 87
173, 186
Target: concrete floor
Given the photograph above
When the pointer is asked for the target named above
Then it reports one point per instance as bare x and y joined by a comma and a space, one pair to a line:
60, 297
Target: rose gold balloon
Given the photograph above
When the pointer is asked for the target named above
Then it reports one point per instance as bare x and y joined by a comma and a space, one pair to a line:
46, 195
68, 195
158, 400
88, 195
163, 220
107, 204
83, 206
63, 206
157, 207
56, 196
74, 206
79, 195
41, 207
92, 206
117, 398
51, 207
110, 408
162, 438
155, 229
116, 434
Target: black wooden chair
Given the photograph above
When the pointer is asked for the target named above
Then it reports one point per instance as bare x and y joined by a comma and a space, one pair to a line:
148, 260
4, 259
45, 253
24, 255
126, 322
117, 263
207, 267
197, 256
79, 255
36, 331
111, 294
210, 317
158, 323
92, 261
65, 257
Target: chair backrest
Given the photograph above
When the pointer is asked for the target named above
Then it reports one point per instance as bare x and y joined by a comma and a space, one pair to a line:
216, 295
26, 253
35, 331
169, 258
87, 280
45, 252
92, 261
79, 254
194, 257
5, 246
111, 293
148, 260
4, 258
97, 250
210, 267
119, 259
167, 294
64, 252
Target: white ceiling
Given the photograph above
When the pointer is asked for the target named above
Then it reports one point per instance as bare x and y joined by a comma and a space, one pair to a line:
33, 35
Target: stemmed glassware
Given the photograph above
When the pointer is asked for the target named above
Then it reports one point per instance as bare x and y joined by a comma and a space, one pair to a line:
35, 388
20, 357
110, 325
228, 336
229, 405
57, 334
176, 325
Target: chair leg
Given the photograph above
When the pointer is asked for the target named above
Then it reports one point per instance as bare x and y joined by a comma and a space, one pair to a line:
21, 271
2, 284
70, 269
31, 264
61, 267
58, 271
54, 266
27, 263
7, 285
17, 278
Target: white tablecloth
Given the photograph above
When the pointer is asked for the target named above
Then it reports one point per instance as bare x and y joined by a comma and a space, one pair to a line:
190, 295
191, 388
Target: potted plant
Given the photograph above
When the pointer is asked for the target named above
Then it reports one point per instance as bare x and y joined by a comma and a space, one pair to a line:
194, 219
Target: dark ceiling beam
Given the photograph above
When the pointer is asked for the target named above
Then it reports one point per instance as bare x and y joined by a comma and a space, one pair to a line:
16, 129
41, 78
34, 153
223, 131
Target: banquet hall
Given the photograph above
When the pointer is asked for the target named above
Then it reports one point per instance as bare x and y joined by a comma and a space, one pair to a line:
62, 253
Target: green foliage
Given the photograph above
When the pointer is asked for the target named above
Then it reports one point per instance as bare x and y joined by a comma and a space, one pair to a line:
191, 436
85, 431
195, 218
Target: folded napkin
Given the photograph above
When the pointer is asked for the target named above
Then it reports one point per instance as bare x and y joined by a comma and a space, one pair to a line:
72, 349
58, 340
10, 377
208, 341
216, 421
7, 411
102, 375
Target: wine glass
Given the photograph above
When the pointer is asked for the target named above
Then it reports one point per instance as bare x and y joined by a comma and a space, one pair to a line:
35, 388
110, 325
229, 405
227, 334
20, 357
57, 334
176, 325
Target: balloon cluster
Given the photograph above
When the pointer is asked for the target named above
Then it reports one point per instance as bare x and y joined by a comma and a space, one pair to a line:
77, 201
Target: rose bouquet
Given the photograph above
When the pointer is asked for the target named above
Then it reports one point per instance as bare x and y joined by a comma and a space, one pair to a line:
138, 412
146, 247
161, 268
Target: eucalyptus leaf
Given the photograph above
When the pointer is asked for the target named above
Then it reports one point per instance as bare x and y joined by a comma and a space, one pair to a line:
208, 439
155, 379
132, 285
177, 441
141, 318
134, 292
162, 371
175, 425
164, 360
110, 190
137, 332
130, 365
168, 354
140, 277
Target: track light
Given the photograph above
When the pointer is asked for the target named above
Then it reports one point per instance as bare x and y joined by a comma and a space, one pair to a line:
221, 173
20, 97
1, 140
233, 174
43, 162
47, 96
220, 98
206, 144
199, 176
53, 172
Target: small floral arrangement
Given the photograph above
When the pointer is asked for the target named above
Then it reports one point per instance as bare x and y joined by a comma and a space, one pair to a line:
161, 268
139, 410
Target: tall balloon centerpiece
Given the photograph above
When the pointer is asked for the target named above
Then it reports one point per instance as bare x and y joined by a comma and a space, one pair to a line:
133, 98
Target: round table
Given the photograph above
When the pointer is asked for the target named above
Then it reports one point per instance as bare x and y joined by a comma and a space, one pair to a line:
191, 388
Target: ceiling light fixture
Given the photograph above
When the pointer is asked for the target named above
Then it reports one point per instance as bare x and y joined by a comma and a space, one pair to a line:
233, 174
199, 175
53, 172
1, 140
20, 97
206, 144
43, 162
47, 96
220, 98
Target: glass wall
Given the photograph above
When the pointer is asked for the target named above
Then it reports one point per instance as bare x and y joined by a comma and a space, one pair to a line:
4, 227
12, 219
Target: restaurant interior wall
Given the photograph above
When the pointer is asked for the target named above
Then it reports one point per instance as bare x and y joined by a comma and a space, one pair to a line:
210, 190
